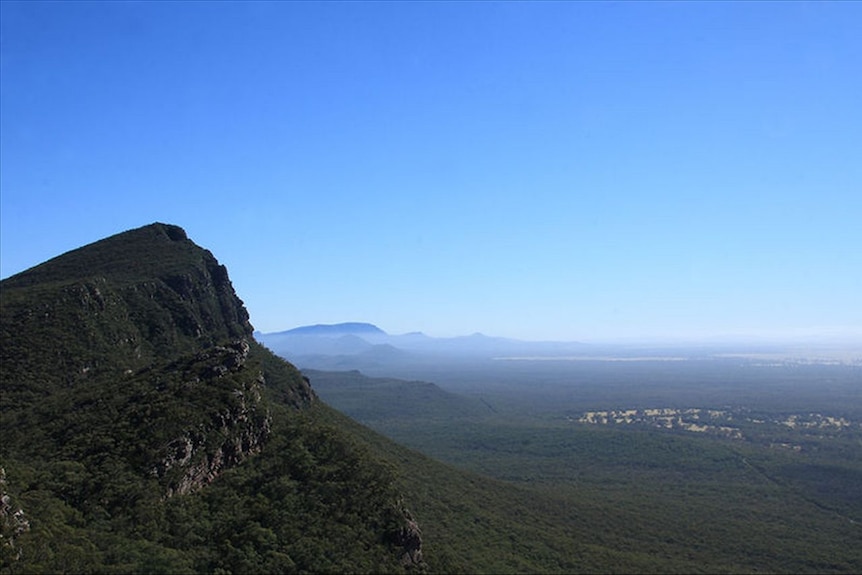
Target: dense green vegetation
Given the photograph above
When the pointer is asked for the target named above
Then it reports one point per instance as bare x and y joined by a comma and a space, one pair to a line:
310, 501
143, 430
781, 500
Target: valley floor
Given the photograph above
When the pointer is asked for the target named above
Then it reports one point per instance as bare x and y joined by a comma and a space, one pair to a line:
709, 487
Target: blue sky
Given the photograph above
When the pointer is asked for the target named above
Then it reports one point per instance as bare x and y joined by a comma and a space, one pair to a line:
538, 170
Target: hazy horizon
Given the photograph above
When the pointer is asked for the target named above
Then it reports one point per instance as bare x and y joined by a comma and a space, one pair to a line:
564, 171
823, 342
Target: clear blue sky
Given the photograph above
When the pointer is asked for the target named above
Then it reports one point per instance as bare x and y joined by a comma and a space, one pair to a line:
536, 170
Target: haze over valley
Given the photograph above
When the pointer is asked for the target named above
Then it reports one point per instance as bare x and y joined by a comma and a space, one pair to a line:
355, 342
610, 250
146, 429
563, 171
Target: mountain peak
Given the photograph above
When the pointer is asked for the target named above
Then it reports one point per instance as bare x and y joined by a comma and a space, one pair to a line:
336, 329
156, 249
130, 378
145, 293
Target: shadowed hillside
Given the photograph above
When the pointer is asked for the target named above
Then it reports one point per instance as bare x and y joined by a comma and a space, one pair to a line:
145, 430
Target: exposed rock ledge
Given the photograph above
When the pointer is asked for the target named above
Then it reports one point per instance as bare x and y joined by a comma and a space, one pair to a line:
409, 539
12, 524
244, 425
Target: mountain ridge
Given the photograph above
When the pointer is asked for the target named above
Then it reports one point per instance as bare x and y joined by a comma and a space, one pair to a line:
145, 430
325, 347
132, 388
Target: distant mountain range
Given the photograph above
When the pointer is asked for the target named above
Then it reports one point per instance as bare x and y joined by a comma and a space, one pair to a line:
145, 431
365, 346
338, 329
356, 345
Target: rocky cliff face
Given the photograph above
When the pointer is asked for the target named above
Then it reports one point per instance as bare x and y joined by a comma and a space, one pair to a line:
409, 540
121, 303
148, 323
13, 523
131, 379
241, 423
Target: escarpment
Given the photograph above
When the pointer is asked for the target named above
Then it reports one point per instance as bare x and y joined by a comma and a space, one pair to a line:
123, 303
13, 523
232, 428
137, 408
142, 328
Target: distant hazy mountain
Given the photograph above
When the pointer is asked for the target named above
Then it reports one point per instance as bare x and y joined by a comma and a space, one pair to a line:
363, 345
341, 339
144, 430
338, 329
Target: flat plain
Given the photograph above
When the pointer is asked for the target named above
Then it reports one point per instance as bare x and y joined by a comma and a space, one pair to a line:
725, 462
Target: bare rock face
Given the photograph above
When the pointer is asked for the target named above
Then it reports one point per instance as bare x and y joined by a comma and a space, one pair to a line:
12, 524
409, 541
133, 360
238, 429
224, 359
150, 311
126, 302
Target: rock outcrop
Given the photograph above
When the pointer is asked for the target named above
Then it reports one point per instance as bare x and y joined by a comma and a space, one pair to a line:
13, 523
143, 296
130, 379
238, 429
408, 540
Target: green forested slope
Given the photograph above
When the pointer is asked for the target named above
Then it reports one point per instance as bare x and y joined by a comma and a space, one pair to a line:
143, 430
581, 498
